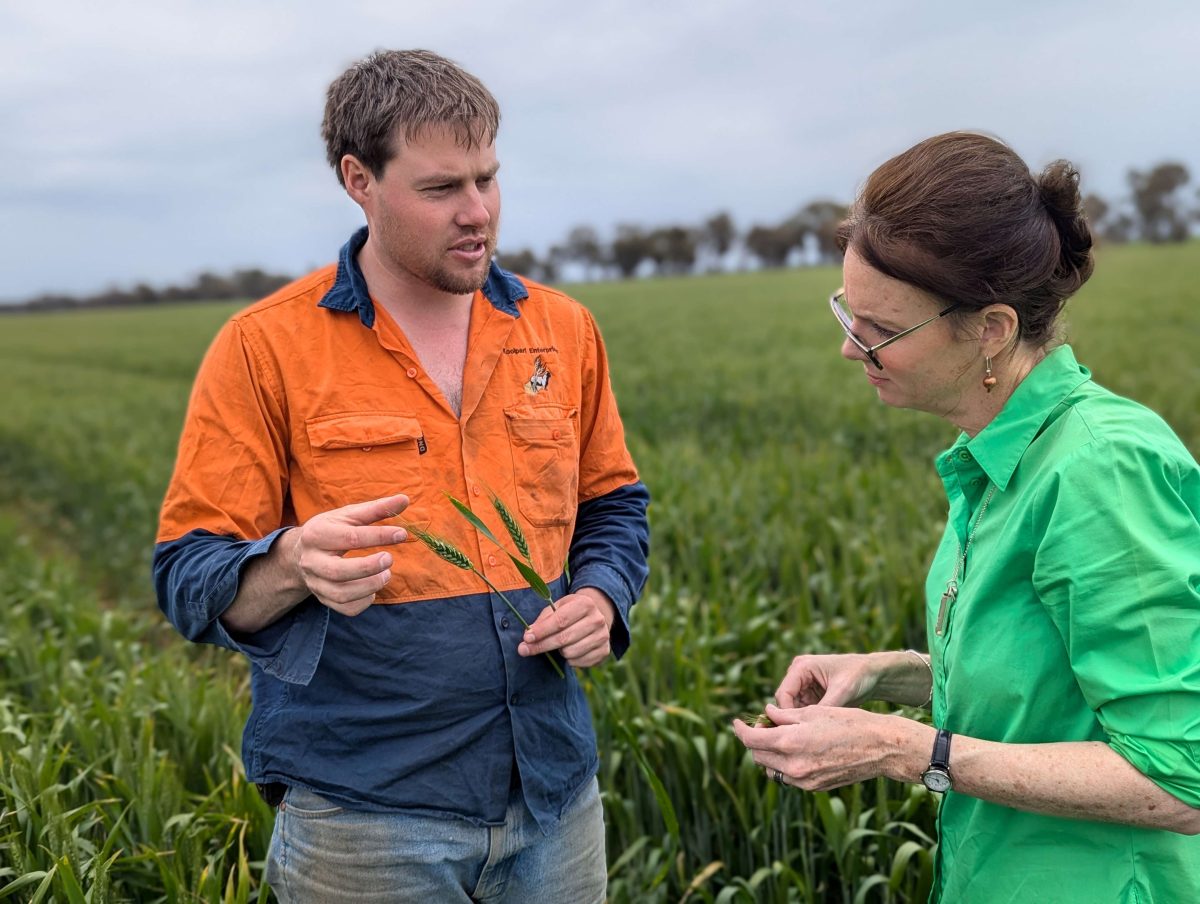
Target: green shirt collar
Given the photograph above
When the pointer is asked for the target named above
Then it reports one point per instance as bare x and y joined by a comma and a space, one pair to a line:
998, 447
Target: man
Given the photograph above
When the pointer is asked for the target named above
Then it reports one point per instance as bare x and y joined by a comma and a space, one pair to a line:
423, 746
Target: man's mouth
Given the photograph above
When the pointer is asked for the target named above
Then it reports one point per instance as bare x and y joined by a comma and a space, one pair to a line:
472, 248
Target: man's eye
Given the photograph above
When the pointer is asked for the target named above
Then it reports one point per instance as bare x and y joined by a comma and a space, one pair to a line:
485, 181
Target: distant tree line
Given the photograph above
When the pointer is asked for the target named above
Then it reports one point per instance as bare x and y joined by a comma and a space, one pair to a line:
808, 236
241, 284
1159, 208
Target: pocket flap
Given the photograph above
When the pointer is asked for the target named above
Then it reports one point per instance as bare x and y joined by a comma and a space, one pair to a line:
554, 424
346, 431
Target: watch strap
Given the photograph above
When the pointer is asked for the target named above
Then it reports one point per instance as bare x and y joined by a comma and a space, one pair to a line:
941, 749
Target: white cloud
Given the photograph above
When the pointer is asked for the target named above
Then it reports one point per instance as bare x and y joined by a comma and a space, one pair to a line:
151, 140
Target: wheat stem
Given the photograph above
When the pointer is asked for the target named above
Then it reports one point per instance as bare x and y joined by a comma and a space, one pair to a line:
520, 618
448, 552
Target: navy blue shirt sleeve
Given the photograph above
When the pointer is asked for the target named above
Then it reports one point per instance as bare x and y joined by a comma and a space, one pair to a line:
609, 552
196, 578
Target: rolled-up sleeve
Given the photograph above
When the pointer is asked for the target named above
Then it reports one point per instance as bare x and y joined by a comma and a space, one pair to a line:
196, 578
1118, 569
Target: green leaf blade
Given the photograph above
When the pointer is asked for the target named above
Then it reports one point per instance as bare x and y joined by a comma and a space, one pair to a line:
466, 512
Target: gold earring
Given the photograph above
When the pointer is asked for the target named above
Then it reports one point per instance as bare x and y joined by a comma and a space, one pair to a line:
988, 381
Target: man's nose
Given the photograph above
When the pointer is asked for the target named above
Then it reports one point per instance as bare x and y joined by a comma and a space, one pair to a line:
474, 211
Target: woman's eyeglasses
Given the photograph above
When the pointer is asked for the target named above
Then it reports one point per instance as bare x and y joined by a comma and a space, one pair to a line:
837, 301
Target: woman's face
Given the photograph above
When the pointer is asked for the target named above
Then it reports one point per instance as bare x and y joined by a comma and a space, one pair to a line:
930, 369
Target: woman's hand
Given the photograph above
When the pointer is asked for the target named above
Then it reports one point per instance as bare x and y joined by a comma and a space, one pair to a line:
846, 679
851, 679
822, 747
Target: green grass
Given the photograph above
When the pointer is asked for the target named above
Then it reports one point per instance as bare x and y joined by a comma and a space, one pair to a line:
791, 512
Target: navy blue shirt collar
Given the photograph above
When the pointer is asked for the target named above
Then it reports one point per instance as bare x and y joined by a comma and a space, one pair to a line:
349, 289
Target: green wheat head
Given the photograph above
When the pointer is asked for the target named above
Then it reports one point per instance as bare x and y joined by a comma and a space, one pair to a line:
512, 526
444, 549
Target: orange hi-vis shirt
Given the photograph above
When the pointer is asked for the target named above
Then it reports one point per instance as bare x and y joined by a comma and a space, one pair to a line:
298, 410
313, 399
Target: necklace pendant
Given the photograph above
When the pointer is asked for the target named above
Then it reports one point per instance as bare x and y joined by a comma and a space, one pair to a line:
947, 599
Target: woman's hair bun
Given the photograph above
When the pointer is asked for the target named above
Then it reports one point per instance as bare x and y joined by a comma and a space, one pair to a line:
961, 216
1059, 189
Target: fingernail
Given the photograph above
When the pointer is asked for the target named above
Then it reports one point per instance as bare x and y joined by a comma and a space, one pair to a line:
529, 638
401, 536
385, 561
523, 649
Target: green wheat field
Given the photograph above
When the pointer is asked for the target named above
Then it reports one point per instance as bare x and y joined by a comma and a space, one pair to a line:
791, 513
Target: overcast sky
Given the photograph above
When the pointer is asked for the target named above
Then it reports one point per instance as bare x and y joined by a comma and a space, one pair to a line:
147, 141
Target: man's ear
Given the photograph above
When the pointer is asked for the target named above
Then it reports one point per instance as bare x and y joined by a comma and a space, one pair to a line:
357, 178
1001, 326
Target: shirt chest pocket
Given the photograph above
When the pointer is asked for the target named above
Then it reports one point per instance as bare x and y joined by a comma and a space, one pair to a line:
545, 450
360, 456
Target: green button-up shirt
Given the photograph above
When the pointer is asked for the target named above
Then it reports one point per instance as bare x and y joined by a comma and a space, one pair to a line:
1077, 619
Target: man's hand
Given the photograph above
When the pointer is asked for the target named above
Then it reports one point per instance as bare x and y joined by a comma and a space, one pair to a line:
318, 548
579, 626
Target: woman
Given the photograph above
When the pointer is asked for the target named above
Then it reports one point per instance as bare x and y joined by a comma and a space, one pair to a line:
1064, 599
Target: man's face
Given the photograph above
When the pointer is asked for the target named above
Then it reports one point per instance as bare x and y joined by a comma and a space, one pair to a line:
435, 211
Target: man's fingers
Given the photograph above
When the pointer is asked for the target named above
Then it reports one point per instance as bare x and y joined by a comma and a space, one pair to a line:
590, 649
571, 626
354, 607
340, 570
551, 622
577, 628
344, 593
364, 513
336, 537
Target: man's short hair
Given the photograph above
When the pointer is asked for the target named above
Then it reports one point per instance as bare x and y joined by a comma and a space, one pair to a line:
403, 92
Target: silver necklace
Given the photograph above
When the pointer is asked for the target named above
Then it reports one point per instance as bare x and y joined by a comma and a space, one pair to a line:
952, 585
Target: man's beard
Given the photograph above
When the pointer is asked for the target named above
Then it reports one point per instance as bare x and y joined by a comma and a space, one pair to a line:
444, 279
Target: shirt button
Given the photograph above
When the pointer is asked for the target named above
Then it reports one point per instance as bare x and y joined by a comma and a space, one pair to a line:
475, 490
512, 701
964, 455
412, 371
491, 560
556, 434
366, 448
504, 622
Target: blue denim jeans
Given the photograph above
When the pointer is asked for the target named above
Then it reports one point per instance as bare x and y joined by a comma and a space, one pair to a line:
323, 853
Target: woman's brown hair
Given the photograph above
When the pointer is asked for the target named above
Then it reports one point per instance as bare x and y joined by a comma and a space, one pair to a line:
961, 217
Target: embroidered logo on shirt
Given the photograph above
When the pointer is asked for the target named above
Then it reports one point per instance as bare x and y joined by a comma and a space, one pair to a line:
530, 350
540, 379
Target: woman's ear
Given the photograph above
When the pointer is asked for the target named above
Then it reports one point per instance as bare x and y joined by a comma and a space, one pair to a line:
1001, 326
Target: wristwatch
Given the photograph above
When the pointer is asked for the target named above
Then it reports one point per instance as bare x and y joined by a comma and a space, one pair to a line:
937, 776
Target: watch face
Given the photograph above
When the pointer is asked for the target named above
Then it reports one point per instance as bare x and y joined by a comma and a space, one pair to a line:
936, 780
